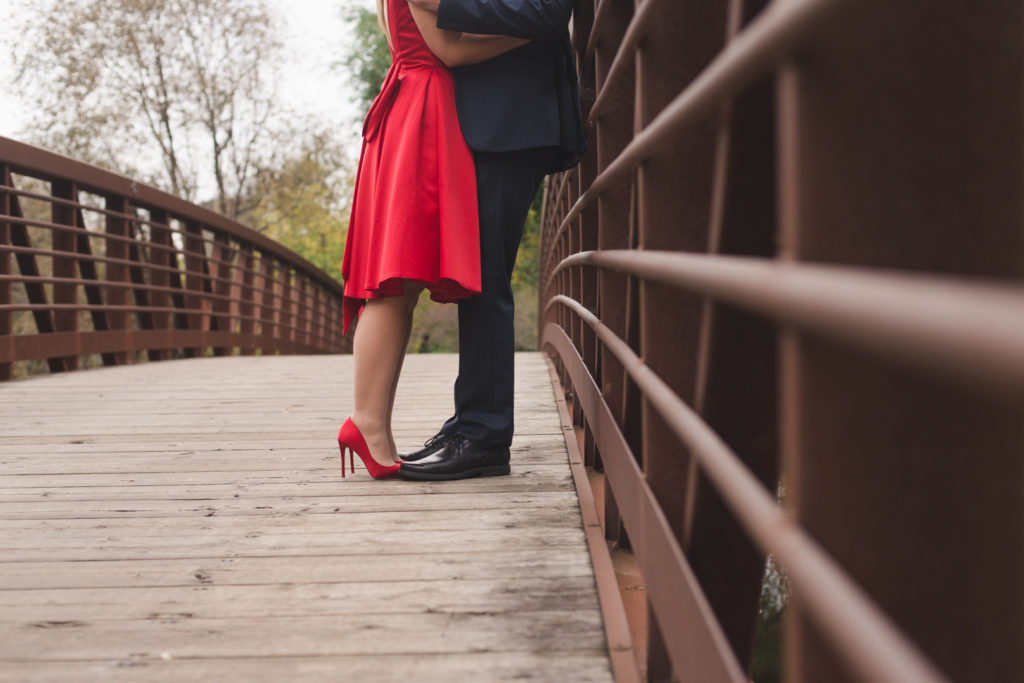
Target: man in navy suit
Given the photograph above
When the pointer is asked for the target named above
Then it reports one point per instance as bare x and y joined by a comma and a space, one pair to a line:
520, 114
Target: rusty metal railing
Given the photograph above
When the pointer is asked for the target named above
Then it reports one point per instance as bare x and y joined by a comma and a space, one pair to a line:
783, 294
93, 264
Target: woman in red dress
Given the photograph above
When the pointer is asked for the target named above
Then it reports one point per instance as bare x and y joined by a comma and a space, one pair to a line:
414, 215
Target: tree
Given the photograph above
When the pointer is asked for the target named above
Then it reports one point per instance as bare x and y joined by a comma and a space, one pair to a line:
303, 202
188, 84
367, 58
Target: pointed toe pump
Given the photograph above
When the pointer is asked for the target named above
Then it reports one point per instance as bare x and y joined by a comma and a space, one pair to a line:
350, 439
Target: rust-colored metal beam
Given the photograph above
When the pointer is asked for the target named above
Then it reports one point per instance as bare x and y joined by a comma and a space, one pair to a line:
967, 330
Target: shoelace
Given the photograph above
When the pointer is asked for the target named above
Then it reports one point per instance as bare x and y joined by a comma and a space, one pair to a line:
437, 440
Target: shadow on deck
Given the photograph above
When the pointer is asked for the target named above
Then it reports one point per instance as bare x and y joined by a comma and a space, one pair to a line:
186, 520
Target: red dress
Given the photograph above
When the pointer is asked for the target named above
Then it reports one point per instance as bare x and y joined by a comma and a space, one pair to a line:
414, 210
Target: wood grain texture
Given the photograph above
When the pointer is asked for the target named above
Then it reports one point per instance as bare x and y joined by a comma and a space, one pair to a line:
187, 520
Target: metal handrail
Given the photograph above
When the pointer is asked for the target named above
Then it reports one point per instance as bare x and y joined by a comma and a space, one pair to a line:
201, 283
919, 328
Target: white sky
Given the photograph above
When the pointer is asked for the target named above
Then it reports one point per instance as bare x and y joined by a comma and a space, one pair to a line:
315, 37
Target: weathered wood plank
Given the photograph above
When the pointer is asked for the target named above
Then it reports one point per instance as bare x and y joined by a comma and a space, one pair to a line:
293, 505
440, 565
557, 666
175, 545
528, 594
307, 636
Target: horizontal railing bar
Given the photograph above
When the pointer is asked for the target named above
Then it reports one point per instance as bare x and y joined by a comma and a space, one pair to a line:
130, 217
752, 53
293, 328
635, 32
122, 309
167, 248
88, 208
128, 284
861, 634
60, 344
301, 310
36, 251
145, 265
970, 331
124, 239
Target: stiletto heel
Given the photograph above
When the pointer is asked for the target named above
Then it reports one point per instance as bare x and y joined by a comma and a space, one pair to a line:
351, 459
350, 438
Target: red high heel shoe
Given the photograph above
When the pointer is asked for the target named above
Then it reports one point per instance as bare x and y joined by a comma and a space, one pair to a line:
350, 438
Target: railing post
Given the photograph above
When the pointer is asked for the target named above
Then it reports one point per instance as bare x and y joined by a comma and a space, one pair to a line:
221, 320
195, 285
736, 390
673, 213
913, 485
305, 312
319, 323
245, 275
6, 316
117, 273
613, 129
288, 332
268, 288
163, 258
64, 266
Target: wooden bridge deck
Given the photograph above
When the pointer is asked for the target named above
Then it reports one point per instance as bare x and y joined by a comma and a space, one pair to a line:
187, 521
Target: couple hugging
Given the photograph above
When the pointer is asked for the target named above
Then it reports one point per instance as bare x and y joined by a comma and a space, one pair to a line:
480, 103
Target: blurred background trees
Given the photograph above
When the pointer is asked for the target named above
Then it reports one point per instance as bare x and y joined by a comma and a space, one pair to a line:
186, 84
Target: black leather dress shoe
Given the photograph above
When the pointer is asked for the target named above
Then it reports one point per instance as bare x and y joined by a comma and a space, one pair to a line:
459, 459
431, 446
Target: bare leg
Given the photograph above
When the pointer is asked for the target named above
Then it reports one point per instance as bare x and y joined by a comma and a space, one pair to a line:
378, 350
398, 374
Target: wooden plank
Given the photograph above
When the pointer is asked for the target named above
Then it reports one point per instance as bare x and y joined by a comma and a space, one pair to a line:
308, 636
503, 518
276, 506
540, 478
339, 567
579, 667
175, 545
169, 603
187, 520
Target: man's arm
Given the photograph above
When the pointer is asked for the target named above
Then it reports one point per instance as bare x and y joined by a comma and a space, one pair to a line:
523, 18
458, 49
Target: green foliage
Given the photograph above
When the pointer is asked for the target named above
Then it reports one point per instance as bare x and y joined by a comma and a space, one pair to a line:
767, 663
368, 58
525, 278
303, 202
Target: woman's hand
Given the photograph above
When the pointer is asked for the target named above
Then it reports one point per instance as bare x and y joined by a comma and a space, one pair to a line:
458, 49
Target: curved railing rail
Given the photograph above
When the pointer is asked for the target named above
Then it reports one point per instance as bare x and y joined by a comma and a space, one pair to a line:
96, 264
783, 293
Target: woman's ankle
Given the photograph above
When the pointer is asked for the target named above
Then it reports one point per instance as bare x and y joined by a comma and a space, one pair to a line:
375, 434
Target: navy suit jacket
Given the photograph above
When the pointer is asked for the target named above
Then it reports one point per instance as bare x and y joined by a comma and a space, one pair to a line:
527, 97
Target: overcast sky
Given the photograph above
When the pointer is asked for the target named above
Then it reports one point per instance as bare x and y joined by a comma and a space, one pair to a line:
315, 34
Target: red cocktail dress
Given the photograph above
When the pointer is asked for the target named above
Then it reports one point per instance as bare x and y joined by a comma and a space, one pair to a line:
414, 210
